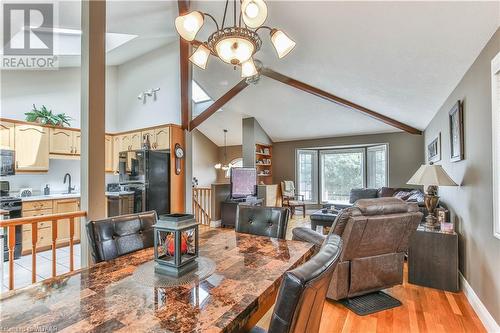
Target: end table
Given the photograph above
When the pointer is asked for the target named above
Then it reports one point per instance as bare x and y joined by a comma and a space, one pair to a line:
433, 259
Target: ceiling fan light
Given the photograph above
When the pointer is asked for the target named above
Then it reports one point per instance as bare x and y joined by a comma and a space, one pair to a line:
281, 42
234, 50
200, 56
189, 24
248, 68
254, 12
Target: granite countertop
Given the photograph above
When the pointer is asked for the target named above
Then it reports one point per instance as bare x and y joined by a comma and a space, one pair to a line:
54, 196
116, 194
107, 296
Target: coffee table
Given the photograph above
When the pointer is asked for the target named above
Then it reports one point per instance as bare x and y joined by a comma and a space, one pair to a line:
323, 219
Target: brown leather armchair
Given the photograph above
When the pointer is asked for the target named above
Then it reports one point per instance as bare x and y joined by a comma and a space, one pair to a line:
375, 235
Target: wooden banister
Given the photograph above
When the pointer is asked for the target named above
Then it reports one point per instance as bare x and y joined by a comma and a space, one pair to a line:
202, 202
34, 220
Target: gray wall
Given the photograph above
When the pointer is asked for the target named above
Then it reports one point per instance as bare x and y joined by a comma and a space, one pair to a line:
252, 134
471, 204
406, 154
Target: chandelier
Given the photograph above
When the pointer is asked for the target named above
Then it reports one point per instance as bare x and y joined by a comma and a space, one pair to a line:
237, 44
225, 166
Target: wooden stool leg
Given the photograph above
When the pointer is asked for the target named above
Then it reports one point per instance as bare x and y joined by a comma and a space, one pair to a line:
304, 211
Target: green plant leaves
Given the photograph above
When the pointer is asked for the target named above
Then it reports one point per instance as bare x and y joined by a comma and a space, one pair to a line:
46, 117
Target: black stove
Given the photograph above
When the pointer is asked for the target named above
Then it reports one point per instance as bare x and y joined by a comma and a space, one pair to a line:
14, 206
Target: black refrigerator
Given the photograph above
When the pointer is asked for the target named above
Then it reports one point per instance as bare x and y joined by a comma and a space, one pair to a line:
147, 174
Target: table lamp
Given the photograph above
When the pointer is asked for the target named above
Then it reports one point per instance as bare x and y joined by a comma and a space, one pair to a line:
433, 176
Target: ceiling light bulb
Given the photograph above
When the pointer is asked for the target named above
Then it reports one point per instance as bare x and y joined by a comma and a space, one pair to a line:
218, 166
200, 56
254, 12
188, 25
248, 68
282, 43
234, 50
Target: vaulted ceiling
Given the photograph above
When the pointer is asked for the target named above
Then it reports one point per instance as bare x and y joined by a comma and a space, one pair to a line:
401, 59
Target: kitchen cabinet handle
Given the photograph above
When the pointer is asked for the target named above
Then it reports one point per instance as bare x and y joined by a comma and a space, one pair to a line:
17, 164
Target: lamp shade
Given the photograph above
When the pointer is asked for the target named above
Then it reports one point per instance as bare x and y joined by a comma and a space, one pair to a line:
189, 24
254, 12
234, 50
200, 56
281, 42
431, 175
248, 68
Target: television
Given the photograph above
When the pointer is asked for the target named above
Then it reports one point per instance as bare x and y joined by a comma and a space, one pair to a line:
243, 182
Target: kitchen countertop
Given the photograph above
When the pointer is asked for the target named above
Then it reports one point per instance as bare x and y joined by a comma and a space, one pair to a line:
116, 194
54, 196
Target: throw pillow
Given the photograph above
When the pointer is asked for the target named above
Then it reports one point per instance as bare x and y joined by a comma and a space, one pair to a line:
387, 192
416, 196
403, 195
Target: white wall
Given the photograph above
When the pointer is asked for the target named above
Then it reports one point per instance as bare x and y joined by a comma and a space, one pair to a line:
205, 156
55, 176
58, 90
156, 69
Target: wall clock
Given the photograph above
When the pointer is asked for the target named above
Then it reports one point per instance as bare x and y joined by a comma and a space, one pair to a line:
179, 154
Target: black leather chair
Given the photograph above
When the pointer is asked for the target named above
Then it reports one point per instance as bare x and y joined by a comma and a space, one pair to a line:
262, 221
302, 293
116, 236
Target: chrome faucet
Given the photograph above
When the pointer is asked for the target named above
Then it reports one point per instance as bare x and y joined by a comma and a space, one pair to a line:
69, 184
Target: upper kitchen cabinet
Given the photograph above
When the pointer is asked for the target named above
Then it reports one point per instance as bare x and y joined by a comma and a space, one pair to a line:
135, 141
64, 142
151, 135
124, 143
108, 153
32, 148
117, 141
162, 138
6, 135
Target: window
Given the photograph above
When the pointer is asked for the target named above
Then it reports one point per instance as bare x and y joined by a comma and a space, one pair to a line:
328, 175
376, 162
341, 170
307, 174
236, 163
198, 94
495, 115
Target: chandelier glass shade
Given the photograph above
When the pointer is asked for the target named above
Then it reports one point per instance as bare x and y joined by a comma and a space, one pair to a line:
224, 166
235, 45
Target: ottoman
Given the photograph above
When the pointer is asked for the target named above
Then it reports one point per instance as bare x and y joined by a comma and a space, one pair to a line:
323, 219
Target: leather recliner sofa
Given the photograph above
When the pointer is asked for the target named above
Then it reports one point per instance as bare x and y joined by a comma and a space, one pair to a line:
375, 235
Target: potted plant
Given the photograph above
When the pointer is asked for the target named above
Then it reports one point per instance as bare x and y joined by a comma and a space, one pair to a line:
46, 117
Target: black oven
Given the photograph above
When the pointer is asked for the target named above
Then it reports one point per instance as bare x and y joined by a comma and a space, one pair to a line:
7, 162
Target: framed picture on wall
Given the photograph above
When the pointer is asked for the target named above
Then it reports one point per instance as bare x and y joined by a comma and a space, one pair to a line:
434, 150
456, 116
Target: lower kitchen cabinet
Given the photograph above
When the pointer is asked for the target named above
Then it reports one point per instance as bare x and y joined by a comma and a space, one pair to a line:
47, 207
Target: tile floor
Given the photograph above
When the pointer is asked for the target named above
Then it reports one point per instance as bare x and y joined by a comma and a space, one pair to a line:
22, 266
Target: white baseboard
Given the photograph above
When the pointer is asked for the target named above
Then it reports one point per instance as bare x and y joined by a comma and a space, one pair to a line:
215, 224
486, 318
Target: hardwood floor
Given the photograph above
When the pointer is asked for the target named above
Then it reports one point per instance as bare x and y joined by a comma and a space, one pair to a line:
423, 310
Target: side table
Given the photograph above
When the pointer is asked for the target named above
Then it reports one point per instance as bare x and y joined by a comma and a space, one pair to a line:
433, 259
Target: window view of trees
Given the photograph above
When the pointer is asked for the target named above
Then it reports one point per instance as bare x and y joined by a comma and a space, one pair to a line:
341, 171
306, 172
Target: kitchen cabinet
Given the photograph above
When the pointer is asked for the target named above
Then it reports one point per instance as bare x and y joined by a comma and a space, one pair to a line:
32, 148
116, 152
7, 135
162, 138
135, 141
47, 207
152, 137
125, 142
64, 142
66, 206
108, 154
77, 141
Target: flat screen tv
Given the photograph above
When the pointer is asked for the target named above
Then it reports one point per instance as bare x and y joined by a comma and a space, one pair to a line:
243, 182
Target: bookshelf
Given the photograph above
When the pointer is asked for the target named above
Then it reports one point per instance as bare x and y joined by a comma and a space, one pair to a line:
263, 163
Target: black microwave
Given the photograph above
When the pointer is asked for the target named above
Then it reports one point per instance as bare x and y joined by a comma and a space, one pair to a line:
7, 162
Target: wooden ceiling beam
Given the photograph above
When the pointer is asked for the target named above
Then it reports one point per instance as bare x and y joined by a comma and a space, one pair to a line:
218, 104
337, 100
186, 71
